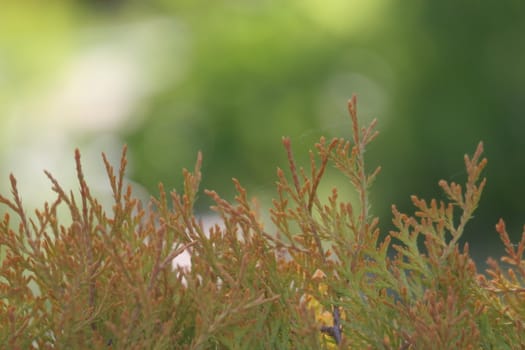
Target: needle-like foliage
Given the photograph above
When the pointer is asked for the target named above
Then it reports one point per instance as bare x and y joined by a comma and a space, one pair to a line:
319, 276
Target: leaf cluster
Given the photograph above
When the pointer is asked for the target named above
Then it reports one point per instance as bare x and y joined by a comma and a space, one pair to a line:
321, 276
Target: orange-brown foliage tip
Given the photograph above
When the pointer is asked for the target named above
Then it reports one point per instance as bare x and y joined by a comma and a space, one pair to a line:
75, 275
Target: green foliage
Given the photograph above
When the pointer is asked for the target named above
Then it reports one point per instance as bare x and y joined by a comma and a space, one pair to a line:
321, 277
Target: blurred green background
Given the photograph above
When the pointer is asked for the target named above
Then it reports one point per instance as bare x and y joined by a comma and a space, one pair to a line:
230, 78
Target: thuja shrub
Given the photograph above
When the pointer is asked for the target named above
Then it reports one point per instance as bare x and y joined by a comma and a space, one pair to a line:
320, 277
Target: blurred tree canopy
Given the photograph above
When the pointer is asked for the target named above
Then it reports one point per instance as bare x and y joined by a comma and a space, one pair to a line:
235, 76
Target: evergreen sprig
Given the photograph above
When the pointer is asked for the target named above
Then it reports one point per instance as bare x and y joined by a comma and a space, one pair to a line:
320, 276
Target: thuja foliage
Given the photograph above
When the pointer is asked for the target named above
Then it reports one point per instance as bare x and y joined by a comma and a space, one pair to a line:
320, 277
